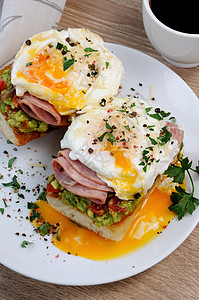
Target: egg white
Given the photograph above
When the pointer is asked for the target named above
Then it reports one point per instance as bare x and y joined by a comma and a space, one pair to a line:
121, 165
83, 85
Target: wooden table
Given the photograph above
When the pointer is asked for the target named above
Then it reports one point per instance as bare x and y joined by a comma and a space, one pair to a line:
176, 277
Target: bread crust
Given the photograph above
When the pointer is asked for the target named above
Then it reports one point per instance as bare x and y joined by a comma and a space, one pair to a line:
115, 232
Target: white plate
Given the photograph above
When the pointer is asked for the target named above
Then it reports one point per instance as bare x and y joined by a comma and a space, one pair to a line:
41, 260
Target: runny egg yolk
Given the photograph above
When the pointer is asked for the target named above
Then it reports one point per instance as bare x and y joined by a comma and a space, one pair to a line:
47, 71
147, 224
128, 174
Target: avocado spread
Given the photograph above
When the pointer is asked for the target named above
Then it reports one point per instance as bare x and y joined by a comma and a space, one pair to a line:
108, 214
15, 116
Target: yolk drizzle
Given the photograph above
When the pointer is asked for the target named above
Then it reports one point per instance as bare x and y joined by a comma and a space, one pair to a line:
148, 223
128, 174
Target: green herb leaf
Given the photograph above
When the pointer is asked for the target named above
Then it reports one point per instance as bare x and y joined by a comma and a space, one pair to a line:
102, 136
108, 126
35, 215
20, 171
11, 161
43, 229
153, 141
164, 114
14, 184
2, 211
21, 196
132, 89
28, 64
24, 244
68, 63
4, 201
148, 109
176, 172
42, 196
90, 50
111, 138
107, 64
59, 46
183, 202
163, 139
32, 205
150, 127
156, 116
9, 142
127, 127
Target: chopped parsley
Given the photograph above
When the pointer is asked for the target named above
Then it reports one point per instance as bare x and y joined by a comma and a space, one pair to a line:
111, 137
9, 142
153, 141
165, 137
14, 183
42, 196
68, 63
158, 115
127, 127
32, 205
28, 64
59, 46
88, 49
107, 64
44, 228
11, 161
24, 244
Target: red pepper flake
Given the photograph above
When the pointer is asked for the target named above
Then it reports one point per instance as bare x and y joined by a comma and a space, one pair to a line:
109, 110
57, 256
94, 62
135, 146
164, 226
111, 154
123, 143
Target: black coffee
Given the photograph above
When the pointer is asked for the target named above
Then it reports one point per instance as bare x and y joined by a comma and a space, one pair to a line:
179, 15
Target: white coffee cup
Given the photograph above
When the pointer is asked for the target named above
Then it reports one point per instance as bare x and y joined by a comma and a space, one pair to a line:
178, 48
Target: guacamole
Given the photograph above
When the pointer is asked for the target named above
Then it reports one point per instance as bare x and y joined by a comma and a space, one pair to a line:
106, 215
15, 116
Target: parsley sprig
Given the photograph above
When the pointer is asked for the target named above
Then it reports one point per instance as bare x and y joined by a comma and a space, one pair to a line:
182, 201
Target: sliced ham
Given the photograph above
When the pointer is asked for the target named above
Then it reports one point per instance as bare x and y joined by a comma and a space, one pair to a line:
78, 179
177, 133
41, 110
59, 166
70, 171
80, 168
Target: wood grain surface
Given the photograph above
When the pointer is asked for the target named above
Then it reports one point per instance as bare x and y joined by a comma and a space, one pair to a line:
176, 277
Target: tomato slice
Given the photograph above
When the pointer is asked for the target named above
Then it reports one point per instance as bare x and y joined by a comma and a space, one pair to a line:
114, 205
2, 85
98, 209
51, 189
15, 101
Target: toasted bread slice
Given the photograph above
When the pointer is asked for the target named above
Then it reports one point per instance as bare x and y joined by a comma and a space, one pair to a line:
115, 232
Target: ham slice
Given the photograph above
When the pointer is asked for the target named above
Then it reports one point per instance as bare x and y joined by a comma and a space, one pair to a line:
59, 166
41, 110
79, 179
177, 133
80, 168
